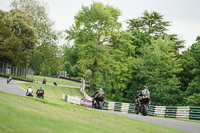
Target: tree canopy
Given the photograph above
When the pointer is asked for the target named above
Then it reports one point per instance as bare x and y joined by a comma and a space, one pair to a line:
18, 37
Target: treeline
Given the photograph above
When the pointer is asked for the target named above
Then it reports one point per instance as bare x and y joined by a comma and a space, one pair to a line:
28, 39
119, 61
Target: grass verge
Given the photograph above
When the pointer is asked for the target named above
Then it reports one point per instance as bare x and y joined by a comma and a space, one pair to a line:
58, 81
52, 93
21, 114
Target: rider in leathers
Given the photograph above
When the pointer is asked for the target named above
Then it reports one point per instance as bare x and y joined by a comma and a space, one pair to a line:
96, 95
144, 93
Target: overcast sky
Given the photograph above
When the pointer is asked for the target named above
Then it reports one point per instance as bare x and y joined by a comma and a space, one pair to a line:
183, 14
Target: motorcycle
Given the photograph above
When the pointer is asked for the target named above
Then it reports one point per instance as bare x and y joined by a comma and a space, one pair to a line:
98, 102
44, 82
40, 94
9, 79
145, 102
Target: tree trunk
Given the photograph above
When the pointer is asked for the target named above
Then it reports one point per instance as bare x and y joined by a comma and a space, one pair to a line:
93, 71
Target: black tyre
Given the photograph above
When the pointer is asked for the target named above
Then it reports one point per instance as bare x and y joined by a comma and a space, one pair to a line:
100, 105
136, 110
145, 110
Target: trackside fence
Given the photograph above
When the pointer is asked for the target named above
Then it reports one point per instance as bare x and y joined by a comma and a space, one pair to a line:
181, 112
20, 71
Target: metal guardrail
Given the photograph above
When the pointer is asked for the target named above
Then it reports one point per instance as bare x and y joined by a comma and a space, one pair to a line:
182, 112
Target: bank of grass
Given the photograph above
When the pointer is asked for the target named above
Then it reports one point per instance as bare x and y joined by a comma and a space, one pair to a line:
21, 114
58, 81
52, 93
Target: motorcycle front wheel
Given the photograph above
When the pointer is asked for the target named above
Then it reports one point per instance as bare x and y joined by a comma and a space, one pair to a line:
136, 110
100, 105
144, 110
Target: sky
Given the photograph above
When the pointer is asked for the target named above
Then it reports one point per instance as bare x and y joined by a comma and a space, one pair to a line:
184, 15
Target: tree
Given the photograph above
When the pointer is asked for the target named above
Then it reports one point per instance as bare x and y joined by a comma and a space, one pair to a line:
93, 28
191, 94
153, 23
45, 55
70, 59
116, 73
158, 68
18, 37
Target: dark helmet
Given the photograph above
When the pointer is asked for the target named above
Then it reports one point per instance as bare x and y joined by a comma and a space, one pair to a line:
145, 87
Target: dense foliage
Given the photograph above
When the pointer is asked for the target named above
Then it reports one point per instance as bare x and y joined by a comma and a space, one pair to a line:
45, 59
120, 61
17, 37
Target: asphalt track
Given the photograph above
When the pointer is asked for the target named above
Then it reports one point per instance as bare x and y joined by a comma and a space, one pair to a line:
11, 87
186, 126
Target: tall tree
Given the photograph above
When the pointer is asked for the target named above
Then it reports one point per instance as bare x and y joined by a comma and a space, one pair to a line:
193, 88
18, 37
153, 23
158, 68
46, 51
92, 32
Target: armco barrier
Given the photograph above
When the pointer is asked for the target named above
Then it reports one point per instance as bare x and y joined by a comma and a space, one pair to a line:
71, 99
183, 112
87, 103
194, 113
131, 108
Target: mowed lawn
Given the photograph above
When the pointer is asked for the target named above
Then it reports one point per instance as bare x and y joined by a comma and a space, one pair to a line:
52, 93
58, 81
20, 114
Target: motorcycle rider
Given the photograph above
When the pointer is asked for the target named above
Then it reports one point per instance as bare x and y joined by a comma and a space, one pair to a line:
96, 95
40, 93
29, 92
44, 81
144, 93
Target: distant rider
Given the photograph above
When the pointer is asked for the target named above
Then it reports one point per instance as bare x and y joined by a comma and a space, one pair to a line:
44, 81
144, 93
9, 79
97, 95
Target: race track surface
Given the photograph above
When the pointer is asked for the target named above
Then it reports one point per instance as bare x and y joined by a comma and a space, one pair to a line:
186, 126
11, 87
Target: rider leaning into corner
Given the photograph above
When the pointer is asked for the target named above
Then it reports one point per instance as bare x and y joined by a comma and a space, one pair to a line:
144, 93
97, 94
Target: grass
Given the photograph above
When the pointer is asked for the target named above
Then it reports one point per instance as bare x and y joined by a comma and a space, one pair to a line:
21, 114
52, 93
58, 81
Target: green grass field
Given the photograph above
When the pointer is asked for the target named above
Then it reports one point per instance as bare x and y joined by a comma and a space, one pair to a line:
52, 93
20, 114
58, 81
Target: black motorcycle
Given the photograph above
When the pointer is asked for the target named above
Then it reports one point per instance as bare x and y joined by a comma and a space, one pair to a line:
40, 94
43, 81
98, 102
145, 102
